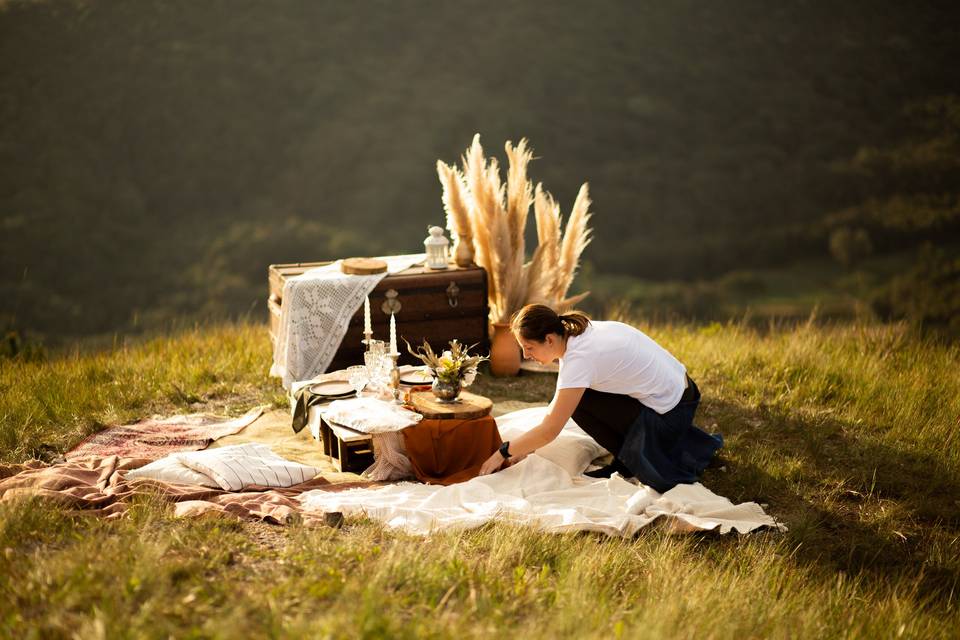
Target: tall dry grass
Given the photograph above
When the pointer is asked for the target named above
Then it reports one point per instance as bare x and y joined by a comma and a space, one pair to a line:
492, 216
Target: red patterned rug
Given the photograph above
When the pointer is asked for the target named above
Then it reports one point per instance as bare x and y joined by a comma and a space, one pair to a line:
152, 439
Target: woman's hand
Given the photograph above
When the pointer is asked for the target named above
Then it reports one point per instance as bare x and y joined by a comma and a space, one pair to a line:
564, 402
493, 463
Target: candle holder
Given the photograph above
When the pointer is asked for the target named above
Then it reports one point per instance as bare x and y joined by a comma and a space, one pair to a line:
367, 335
395, 377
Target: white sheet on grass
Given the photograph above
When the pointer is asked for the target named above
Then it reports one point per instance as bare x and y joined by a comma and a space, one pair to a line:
542, 494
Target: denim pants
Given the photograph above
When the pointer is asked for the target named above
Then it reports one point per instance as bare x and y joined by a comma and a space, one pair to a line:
660, 450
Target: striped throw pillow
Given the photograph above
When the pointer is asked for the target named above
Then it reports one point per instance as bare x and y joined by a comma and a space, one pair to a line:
239, 466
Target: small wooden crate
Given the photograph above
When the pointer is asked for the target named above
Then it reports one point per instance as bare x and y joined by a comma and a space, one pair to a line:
435, 305
348, 450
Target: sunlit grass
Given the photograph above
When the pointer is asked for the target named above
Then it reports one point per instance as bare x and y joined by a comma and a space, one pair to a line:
46, 407
846, 433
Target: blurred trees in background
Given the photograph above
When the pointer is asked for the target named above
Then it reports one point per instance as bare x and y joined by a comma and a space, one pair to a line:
911, 192
157, 156
926, 295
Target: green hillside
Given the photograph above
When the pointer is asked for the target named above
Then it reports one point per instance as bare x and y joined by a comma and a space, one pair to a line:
156, 156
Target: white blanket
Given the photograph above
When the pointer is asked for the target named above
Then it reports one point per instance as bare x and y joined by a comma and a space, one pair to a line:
540, 493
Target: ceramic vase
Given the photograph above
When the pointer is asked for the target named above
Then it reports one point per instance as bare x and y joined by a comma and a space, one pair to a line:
463, 251
446, 391
504, 351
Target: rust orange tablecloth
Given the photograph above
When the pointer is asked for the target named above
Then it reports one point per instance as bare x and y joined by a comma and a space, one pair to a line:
450, 451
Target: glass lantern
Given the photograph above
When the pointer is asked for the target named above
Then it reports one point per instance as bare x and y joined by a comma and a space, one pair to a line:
436, 245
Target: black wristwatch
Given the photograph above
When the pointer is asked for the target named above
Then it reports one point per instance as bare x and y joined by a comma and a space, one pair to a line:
505, 449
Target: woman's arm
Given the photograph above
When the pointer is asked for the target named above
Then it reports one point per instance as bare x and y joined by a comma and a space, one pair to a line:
561, 408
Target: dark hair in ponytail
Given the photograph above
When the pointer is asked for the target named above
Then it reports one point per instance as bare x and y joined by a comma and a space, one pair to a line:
535, 321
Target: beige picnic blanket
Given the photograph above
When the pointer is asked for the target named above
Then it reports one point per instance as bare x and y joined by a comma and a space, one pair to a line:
97, 484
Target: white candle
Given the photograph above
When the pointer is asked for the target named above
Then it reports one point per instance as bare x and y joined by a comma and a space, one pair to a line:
393, 333
366, 316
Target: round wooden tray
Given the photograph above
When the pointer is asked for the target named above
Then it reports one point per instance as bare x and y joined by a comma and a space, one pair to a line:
468, 406
362, 266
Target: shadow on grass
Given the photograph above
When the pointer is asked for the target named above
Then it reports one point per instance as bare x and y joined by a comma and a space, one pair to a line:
853, 503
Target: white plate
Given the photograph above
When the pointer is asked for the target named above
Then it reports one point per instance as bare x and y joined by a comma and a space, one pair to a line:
332, 388
416, 376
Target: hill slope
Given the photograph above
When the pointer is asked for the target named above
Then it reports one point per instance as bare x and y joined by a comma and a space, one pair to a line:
156, 157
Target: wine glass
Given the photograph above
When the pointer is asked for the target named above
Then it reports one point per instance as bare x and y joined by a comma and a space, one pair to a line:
358, 377
374, 366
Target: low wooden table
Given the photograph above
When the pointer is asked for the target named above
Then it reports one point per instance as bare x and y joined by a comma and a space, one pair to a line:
352, 451
467, 407
452, 440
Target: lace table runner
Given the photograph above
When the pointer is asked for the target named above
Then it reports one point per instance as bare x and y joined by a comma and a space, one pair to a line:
314, 313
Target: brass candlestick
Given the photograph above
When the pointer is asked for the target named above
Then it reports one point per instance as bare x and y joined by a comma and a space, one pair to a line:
395, 377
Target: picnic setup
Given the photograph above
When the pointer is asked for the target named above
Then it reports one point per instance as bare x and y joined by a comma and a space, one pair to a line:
376, 357
444, 320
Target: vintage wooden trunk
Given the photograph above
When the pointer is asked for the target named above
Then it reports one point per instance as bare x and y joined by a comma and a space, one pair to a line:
436, 305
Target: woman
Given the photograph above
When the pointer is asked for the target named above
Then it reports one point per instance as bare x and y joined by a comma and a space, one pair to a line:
626, 391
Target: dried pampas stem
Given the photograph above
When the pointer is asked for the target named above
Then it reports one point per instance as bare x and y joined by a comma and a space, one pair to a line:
576, 237
494, 217
455, 203
454, 200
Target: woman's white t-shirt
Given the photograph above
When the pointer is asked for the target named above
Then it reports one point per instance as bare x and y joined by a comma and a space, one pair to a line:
616, 358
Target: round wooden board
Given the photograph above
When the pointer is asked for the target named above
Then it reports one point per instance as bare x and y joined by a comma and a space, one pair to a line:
470, 406
363, 266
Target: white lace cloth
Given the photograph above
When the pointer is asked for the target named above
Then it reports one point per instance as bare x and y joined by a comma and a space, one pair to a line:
390, 461
314, 314
370, 415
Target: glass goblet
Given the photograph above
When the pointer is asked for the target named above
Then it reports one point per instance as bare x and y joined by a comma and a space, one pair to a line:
372, 361
386, 366
357, 377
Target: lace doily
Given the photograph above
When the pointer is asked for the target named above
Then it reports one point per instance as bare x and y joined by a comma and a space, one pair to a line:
370, 415
314, 313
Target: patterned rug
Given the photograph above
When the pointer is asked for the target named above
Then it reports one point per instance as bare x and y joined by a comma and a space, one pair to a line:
152, 439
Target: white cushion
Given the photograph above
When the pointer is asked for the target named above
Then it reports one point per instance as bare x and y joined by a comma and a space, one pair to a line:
169, 469
573, 449
239, 466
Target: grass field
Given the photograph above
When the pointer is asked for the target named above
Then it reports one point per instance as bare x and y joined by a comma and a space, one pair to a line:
848, 434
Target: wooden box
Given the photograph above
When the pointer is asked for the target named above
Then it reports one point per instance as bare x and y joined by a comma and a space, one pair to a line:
347, 449
434, 305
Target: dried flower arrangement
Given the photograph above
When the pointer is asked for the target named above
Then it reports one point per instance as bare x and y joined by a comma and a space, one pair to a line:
487, 220
453, 365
